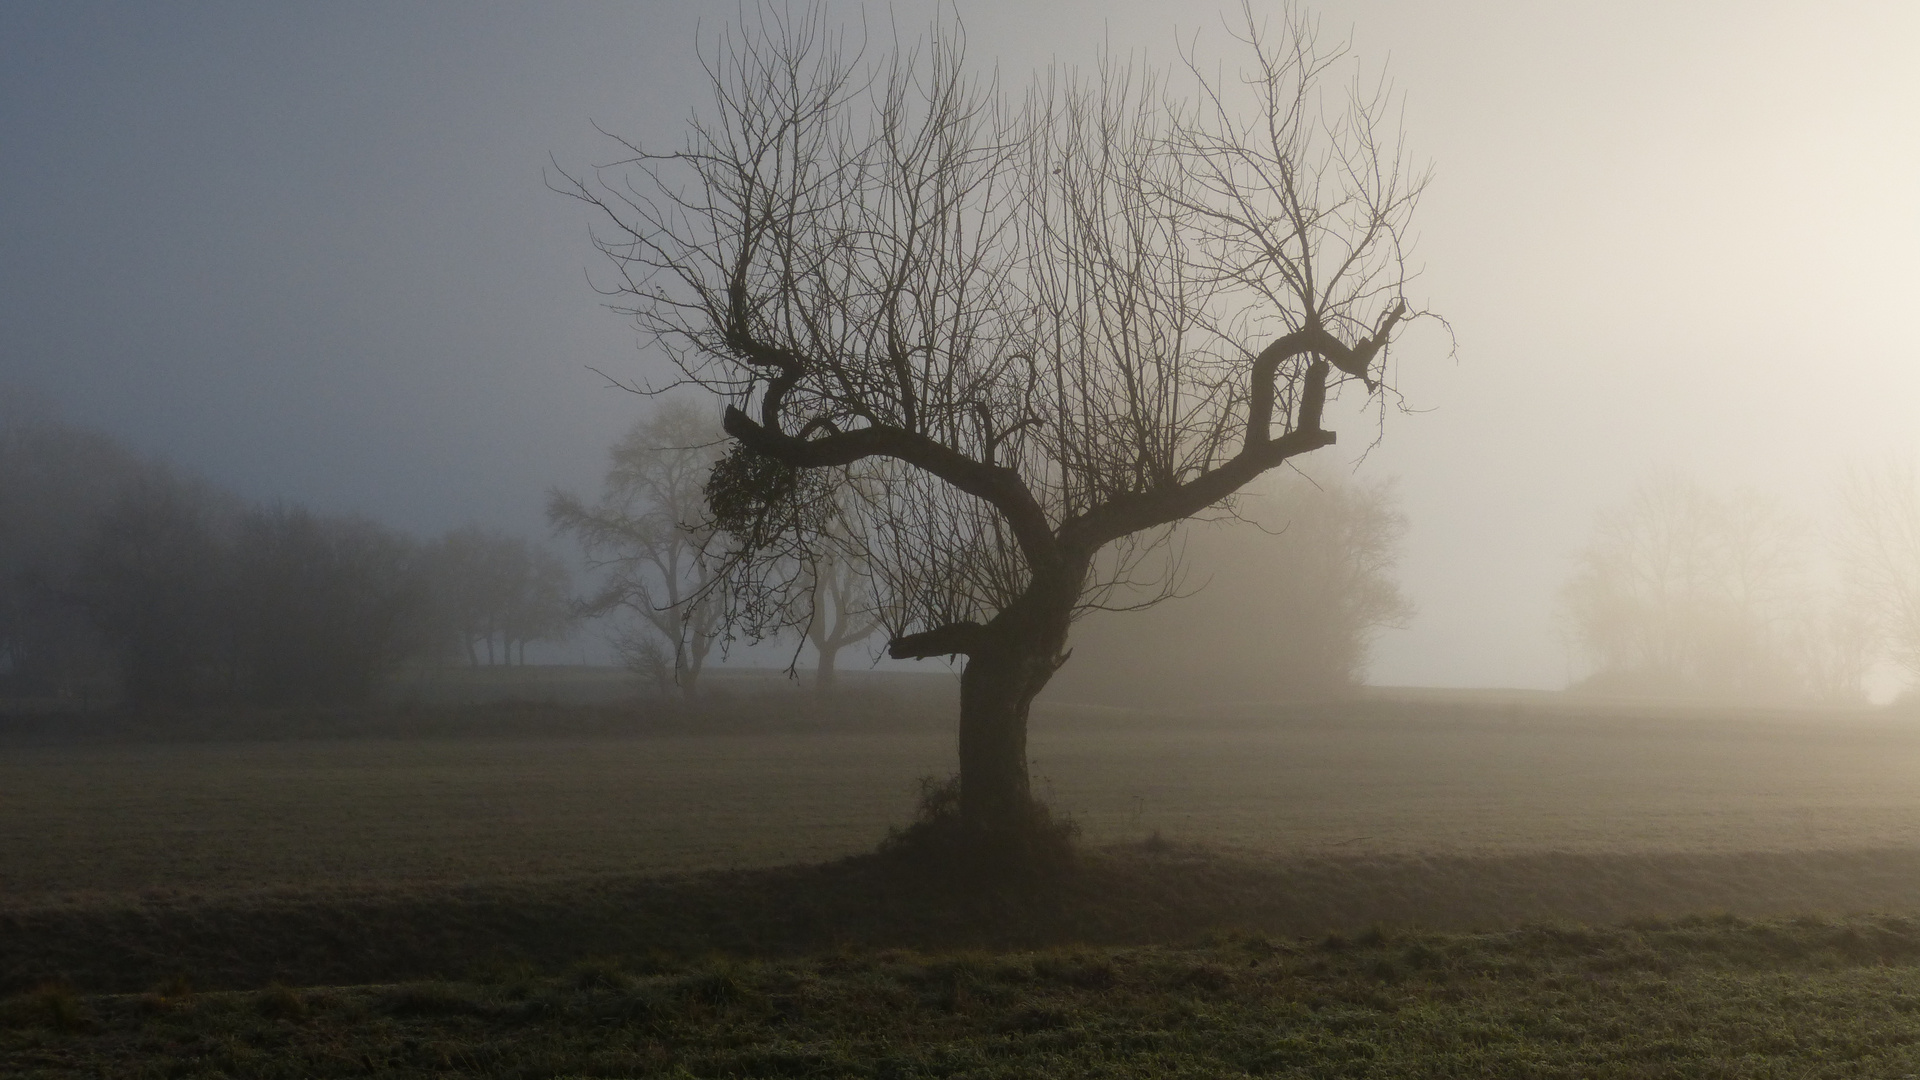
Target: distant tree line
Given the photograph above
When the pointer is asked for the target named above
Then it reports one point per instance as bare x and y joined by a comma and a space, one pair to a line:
120, 579
1687, 591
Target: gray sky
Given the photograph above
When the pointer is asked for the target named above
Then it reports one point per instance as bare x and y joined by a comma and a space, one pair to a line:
307, 252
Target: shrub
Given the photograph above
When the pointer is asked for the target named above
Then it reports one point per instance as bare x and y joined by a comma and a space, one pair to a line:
942, 842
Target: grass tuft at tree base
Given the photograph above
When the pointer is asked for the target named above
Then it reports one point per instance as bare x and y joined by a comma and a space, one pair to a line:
944, 848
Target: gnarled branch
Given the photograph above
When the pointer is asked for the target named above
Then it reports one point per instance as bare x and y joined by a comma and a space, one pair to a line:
953, 639
998, 485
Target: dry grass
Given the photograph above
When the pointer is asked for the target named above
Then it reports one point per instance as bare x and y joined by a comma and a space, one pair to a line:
126, 818
1468, 779
522, 906
349, 860
224, 816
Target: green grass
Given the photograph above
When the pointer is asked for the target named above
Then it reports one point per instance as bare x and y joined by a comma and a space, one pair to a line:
1713, 997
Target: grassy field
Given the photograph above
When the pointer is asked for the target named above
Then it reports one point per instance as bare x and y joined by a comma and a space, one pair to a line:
1695, 998
1444, 885
124, 817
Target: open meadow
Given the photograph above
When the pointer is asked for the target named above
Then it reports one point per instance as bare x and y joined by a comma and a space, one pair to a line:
1386, 777
1402, 885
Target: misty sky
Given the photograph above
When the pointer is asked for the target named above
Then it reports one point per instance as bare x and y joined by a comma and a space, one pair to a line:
307, 252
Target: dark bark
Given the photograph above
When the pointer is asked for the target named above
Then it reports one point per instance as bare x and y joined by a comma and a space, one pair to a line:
996, 691
995, 484
1013, 658
824, 673
953, 639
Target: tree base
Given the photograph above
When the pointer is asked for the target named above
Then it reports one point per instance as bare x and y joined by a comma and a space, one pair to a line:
1031, 849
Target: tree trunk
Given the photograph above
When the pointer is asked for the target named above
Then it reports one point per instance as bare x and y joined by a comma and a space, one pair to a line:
824, 674
1021, 650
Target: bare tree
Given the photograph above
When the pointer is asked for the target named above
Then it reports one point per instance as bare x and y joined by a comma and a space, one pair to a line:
841, 614
1879, 545
323, 609
1685, 591
648, 533
56, 483
489, 587
1837, 645
1034, 331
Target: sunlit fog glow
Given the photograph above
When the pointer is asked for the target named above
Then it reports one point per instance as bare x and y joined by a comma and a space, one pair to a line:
311, 255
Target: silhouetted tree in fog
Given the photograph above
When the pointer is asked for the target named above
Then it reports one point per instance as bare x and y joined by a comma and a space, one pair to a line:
490, 588
1879, 545
113, 569
204, 601
156, 579
841, 609
55, 484
1685, 591
647, 532
1020, 336
541, 605
325, 608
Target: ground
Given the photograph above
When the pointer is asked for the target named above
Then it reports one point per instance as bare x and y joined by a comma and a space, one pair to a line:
1714, 997
1393, 886
1385, 778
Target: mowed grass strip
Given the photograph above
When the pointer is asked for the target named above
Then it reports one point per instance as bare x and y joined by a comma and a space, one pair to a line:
1699, 997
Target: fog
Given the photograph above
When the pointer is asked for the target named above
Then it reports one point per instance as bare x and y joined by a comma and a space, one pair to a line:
312, 256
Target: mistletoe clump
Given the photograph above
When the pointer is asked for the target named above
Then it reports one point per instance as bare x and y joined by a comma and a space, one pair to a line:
761, 501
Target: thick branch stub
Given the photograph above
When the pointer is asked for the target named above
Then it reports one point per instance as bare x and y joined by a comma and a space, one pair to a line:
953, 639
1356, 361
1313, 398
